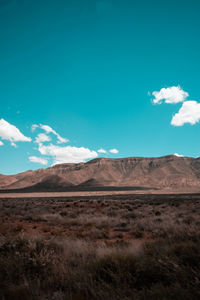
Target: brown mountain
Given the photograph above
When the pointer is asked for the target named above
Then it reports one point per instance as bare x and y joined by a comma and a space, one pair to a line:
168, 172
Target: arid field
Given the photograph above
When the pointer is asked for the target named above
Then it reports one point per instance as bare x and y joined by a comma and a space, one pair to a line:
99, 150
100, 247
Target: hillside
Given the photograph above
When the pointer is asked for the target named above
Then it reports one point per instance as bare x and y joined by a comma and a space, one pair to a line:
168, 172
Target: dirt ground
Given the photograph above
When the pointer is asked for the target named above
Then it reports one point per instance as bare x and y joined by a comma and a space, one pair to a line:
100, 218
100, 247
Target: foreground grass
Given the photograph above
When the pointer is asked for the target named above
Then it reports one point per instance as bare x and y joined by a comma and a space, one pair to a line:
99, 249
74, 269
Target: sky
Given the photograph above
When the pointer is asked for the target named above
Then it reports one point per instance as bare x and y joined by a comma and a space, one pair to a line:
97, 78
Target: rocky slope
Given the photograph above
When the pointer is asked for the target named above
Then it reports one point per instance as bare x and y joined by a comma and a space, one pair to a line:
164, 172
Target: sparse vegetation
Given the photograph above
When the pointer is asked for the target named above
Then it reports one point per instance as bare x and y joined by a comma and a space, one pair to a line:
115, 249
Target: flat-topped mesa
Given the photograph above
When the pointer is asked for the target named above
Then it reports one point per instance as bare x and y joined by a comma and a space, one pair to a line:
106, 159
102, 160
169, 171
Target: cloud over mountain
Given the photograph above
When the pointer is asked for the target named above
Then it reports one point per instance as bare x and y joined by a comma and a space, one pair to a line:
39, 160
67, 154
113, 151
101, 150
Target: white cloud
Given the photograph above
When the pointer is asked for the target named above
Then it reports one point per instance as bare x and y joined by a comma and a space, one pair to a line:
42, 137
11, 133
67, 154
33, 127
171, 95
113, 151
101, 150
178, 155
1, 143
61, 139
48, 130
188, 113
39, 160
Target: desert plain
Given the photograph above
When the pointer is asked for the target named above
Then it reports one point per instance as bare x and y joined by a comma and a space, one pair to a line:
100, 245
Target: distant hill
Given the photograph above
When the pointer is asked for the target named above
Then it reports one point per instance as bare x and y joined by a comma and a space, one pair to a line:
168, 172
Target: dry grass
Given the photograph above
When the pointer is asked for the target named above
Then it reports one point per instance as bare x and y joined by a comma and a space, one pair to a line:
99, 249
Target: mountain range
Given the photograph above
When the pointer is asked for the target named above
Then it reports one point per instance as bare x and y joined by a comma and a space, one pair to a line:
168, 172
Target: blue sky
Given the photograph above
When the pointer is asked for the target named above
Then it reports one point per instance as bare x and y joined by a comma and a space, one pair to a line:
88, 69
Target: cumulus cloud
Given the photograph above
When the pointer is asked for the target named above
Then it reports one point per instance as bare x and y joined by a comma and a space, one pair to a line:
67, 154
101, 150
171, 95
11, 133
188, 113
38, 160
42, 137
1, 143
48, 130
113, 151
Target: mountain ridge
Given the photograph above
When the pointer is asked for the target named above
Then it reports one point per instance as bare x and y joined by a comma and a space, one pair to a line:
168, 171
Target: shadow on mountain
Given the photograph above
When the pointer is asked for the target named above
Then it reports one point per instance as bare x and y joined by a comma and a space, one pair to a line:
104, 174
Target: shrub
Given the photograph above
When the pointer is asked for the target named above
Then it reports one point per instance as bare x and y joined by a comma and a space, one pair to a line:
74, 269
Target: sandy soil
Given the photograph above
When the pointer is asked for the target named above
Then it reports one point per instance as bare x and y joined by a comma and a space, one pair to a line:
95, 193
